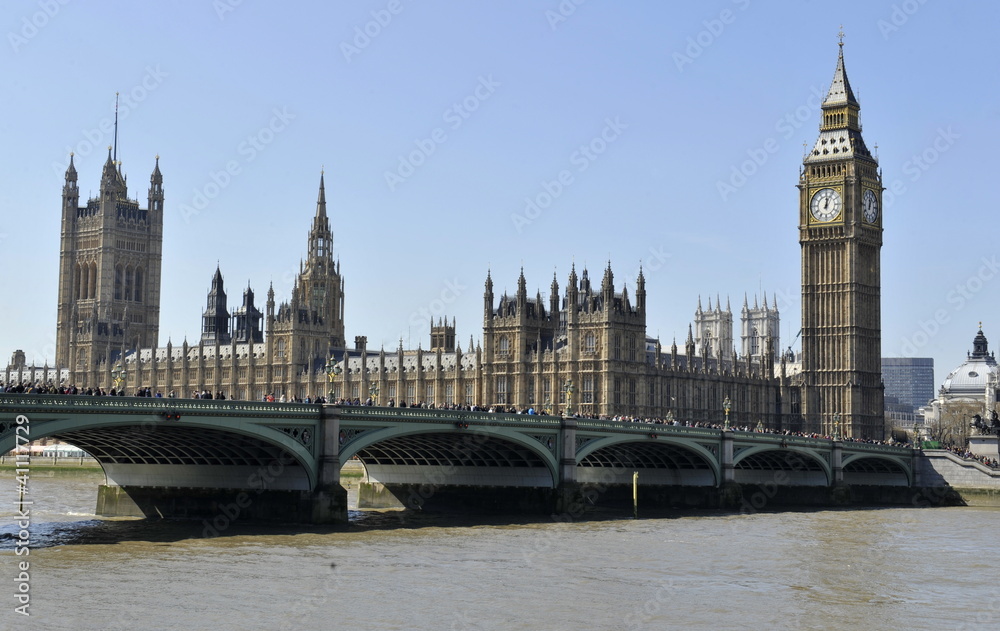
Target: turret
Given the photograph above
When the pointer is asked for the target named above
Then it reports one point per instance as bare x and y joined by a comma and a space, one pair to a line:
608, 286
156, 188
689, 349
522, 294
572, 294
70, 189
71, 195
215, 320
640, 293
112, 183
247, 320
270, 308
554, 298
488, 298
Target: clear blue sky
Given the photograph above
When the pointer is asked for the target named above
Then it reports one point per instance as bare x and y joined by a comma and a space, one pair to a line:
496, 99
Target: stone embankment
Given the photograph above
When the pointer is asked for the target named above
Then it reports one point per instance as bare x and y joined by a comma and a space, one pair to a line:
978, 484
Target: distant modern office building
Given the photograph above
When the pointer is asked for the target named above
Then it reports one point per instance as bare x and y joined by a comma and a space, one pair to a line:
910, 380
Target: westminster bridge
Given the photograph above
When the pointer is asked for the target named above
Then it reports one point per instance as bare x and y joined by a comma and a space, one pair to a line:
189, 457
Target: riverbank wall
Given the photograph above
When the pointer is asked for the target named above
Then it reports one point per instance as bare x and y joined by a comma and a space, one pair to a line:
977, 484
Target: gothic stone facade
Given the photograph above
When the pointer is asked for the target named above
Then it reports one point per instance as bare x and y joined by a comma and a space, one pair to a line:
532, 350
585, 349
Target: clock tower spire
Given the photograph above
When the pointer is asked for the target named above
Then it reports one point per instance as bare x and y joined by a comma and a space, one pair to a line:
840, 231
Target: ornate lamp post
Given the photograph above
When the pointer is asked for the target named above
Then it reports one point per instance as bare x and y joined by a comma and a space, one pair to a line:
569, 396
670, 417
332, 370
726, 405
118, 375
836, 426
373, 392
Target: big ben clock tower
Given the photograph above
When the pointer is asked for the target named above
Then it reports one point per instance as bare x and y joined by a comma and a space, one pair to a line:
840, 230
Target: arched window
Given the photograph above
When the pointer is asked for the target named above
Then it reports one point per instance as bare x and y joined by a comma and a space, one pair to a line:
119, 280
280, 351
502, 389
503, 346
76, 282
128, 283
93, 280
589, 343
85, 281
138, 284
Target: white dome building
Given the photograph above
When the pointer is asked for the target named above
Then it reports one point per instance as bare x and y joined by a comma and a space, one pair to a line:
969, 389
973, 378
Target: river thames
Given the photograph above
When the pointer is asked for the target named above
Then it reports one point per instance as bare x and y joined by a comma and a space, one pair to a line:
906, 568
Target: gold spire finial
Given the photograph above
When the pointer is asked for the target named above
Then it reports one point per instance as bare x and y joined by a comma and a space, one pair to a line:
840, 35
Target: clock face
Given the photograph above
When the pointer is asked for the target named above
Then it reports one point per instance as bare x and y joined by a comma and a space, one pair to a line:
825, 205
870, 206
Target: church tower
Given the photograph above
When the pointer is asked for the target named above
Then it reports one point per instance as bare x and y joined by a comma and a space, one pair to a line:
758, 325
109, 273
714, 330
840, 230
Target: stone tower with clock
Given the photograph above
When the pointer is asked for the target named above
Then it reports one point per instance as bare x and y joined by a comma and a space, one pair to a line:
840, 230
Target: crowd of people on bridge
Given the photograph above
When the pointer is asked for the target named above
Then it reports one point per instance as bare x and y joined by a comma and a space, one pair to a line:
993, 463
49, 388
759, 429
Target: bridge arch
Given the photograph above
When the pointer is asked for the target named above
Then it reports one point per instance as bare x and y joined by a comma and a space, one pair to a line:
197, 452
789, 465
883, 470
661, 461
435, 455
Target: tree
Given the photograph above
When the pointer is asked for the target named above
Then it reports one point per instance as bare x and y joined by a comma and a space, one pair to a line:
951, 426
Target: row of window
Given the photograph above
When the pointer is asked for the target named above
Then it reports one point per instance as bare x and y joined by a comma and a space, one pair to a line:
131, 246
354, 392
85, 280
129, 283
631, 346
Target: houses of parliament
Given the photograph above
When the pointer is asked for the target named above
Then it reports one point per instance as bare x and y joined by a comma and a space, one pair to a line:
584, 347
